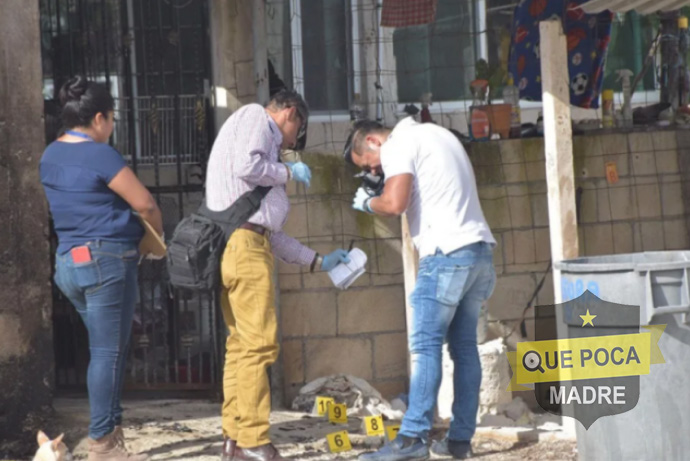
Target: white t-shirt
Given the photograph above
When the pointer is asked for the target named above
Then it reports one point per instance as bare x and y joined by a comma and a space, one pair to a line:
444, 210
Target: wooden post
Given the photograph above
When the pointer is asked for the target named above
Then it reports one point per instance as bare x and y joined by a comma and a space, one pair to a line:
410, 267
558, 147
259, 41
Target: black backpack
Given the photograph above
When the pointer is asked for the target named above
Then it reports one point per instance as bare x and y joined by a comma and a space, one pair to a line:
197, 245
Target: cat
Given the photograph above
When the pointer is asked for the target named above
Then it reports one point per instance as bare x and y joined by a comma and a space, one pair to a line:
51, 450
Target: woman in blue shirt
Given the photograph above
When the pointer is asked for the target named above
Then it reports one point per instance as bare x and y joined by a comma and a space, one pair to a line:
93, 195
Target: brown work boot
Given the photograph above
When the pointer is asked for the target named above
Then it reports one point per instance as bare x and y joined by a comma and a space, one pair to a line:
110, 448
229, 447
261, 453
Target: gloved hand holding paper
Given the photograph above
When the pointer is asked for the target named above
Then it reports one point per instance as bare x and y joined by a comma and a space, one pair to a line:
344, 274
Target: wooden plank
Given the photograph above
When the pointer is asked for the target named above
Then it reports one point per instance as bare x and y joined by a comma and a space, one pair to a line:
410, 266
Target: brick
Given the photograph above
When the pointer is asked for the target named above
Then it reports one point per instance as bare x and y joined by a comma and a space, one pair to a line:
644, 163
666, 161
390, 355
390, 389
296, 224
542, 240
675, 235
293, 361
599, 238
622, 162
652, 236
664, 140
603, 205
623, 203
15, 343
290, 281
613, 144
332, 356
510, 296
648, 201
672, 199
640, 142
525, 252
622, 238
308, 314
371, 310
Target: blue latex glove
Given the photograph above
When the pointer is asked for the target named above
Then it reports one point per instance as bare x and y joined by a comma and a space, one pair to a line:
361, 201
334, 258
300, 172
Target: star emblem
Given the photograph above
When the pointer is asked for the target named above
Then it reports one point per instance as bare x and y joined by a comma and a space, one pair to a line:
587, 318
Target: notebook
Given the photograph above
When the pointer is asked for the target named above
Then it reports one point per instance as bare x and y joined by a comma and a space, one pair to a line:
343, 275
151, 242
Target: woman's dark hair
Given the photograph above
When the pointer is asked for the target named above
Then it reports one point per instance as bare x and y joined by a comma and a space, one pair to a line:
81, 100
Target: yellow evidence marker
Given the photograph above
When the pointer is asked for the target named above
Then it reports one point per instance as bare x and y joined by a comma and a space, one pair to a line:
392, 431
374, 425
339, 442
337, 413
322, 404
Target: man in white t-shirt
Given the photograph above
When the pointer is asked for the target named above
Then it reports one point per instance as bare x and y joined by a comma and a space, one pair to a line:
428, 175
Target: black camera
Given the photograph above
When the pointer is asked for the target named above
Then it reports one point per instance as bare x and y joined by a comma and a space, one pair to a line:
371, 183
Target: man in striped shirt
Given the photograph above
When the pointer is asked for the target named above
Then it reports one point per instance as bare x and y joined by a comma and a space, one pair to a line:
246, 154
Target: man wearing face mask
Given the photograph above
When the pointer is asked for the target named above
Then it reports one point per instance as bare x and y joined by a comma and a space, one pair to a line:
246, 154
429, 176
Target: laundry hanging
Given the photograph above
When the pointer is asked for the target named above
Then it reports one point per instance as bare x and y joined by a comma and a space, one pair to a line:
588, 37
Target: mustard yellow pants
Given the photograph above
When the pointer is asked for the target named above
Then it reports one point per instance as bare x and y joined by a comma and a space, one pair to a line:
248, 303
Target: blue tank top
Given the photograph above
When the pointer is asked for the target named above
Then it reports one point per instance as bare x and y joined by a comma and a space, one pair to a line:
75, 178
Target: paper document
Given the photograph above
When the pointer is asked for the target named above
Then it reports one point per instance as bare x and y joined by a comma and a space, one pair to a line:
343, 275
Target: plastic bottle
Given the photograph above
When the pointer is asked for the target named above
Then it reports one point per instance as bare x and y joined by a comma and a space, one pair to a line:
607, 108
625, 75
511, 95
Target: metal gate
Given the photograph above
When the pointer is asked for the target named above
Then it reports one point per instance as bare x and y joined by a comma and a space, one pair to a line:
154, 57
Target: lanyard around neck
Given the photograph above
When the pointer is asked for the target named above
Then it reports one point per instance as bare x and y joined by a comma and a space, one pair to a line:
79, 134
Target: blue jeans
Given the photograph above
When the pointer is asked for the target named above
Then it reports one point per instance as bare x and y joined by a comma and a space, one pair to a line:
104, 292
445, 303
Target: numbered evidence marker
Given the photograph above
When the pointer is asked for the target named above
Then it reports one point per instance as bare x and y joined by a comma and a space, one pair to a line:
339, 441
374, 425
337, 413
392, 431
322, 404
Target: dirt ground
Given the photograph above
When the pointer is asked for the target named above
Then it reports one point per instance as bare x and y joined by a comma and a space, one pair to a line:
190, 430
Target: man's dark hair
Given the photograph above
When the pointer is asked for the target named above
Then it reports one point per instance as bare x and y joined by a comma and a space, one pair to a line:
284, 99
360, 130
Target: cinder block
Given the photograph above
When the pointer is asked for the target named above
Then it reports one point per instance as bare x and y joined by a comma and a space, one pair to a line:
664, 140
510, 296
524, 247
485, 154
514, 173
324, 218
332, 356
672, 199
652, 236
546, 295
488, 174
388, 257
520, 210
536, 268
387, 227
542, 240
296, 224
644, 163
497, 213
15, 343
285, 268
640, 142
637, 236
622, 238
533, 149
603, 205
588, 206
511, 152
613, 144
648, 201
290, 282
390, 355
308, 314
676, 234
371, 310
356, 223
491, 192
540, 209
586, 146
498, 253
536, 171
599, 238
508, 248
666, 161
594, 167
623, 203
293, 361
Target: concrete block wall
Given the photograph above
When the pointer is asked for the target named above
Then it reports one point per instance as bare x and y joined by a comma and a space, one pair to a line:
360, 331
644, 211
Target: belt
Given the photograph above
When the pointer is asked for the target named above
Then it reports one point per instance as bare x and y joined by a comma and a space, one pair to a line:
254, 228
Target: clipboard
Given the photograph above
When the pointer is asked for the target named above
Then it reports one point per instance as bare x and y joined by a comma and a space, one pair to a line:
151, 242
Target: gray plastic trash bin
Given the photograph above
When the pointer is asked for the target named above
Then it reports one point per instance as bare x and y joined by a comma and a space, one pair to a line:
658, 428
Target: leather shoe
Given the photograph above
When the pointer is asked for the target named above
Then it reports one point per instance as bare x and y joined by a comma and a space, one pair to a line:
229, 448
260, 453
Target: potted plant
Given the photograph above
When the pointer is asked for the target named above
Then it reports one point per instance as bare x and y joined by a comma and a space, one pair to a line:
484, 88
